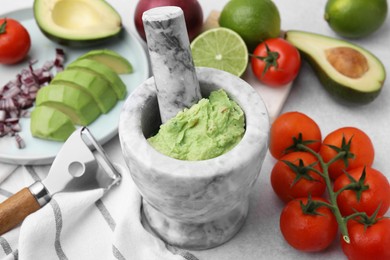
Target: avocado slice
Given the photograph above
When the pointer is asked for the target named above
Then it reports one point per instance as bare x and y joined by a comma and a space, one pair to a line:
346, 70
77, 22
104, 72
78, 105
92, 84
110, 58
51, 124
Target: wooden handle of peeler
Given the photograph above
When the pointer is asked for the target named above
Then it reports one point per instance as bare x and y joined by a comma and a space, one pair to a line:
16, 208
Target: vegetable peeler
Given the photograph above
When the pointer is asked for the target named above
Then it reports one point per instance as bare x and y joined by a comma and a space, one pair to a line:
81, 164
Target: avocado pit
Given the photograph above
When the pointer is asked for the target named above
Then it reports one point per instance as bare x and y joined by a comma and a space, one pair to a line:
347, 61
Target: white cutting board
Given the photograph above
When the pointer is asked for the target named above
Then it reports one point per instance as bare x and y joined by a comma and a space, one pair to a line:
274, 98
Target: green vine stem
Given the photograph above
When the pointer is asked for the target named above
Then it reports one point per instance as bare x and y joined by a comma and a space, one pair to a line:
342, 221
2, 26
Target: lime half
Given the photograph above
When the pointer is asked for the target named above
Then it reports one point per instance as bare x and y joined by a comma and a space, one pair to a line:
222, 49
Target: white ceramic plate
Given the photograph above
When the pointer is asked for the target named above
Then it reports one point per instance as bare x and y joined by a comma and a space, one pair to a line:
39, 151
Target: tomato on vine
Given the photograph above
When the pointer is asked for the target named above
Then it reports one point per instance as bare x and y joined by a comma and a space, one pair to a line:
356, 145
307, 225
292, 177
369, 239
359, 197
15, 41
275, 62
290, 129
367, 190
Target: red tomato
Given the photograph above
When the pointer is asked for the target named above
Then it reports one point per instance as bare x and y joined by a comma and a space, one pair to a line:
15, 41
299, 182
370, 242
361, 147
375, 191
290, 125
308, 232
278, 65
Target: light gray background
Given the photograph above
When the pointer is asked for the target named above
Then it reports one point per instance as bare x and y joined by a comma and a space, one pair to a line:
260, 237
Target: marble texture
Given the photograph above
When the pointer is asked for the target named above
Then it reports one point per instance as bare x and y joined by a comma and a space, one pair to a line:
171, 60
194, 204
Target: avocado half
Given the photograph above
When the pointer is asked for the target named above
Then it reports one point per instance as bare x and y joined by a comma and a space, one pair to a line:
346, 70
77, 22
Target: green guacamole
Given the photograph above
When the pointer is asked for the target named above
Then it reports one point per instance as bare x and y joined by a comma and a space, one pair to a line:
208, 129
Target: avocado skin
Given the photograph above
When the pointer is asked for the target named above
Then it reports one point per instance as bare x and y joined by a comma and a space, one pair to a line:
83, 43
337, 90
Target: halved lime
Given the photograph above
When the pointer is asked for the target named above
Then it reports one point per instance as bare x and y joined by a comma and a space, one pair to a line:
220, 48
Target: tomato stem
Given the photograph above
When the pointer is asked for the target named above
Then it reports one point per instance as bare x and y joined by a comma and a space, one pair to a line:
354, 215
322, 203
317, 171
366, 220
271, 60
301, 170
356, 185
342, 222
3, 25
346, 187
339, 156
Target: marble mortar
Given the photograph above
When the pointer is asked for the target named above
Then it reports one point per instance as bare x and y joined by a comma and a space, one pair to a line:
194, 204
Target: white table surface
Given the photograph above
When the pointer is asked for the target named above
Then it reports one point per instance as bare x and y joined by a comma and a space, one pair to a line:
260, 237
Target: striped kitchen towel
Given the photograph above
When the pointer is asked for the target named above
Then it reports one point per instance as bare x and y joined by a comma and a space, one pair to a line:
85, 225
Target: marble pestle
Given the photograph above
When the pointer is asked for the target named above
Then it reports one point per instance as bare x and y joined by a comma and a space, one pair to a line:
171, 59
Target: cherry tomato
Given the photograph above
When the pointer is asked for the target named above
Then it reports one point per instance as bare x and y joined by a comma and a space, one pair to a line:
308, 232
374, 191
290, 126
297, 182
352, 140
276, 62
15, 41
368, 242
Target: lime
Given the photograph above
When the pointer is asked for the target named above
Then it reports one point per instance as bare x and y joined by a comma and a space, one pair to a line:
355, 18
220, 48
253, 20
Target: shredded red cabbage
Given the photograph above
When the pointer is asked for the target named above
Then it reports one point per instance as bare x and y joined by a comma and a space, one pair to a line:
18, 95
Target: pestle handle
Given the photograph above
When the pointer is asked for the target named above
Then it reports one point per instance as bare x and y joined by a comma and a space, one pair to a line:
171, 59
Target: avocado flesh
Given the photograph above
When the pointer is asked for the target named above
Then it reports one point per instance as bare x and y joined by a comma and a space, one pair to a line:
111, 59
79, 106
51, 124
363, 87
92, 84
104, 72
77, 22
